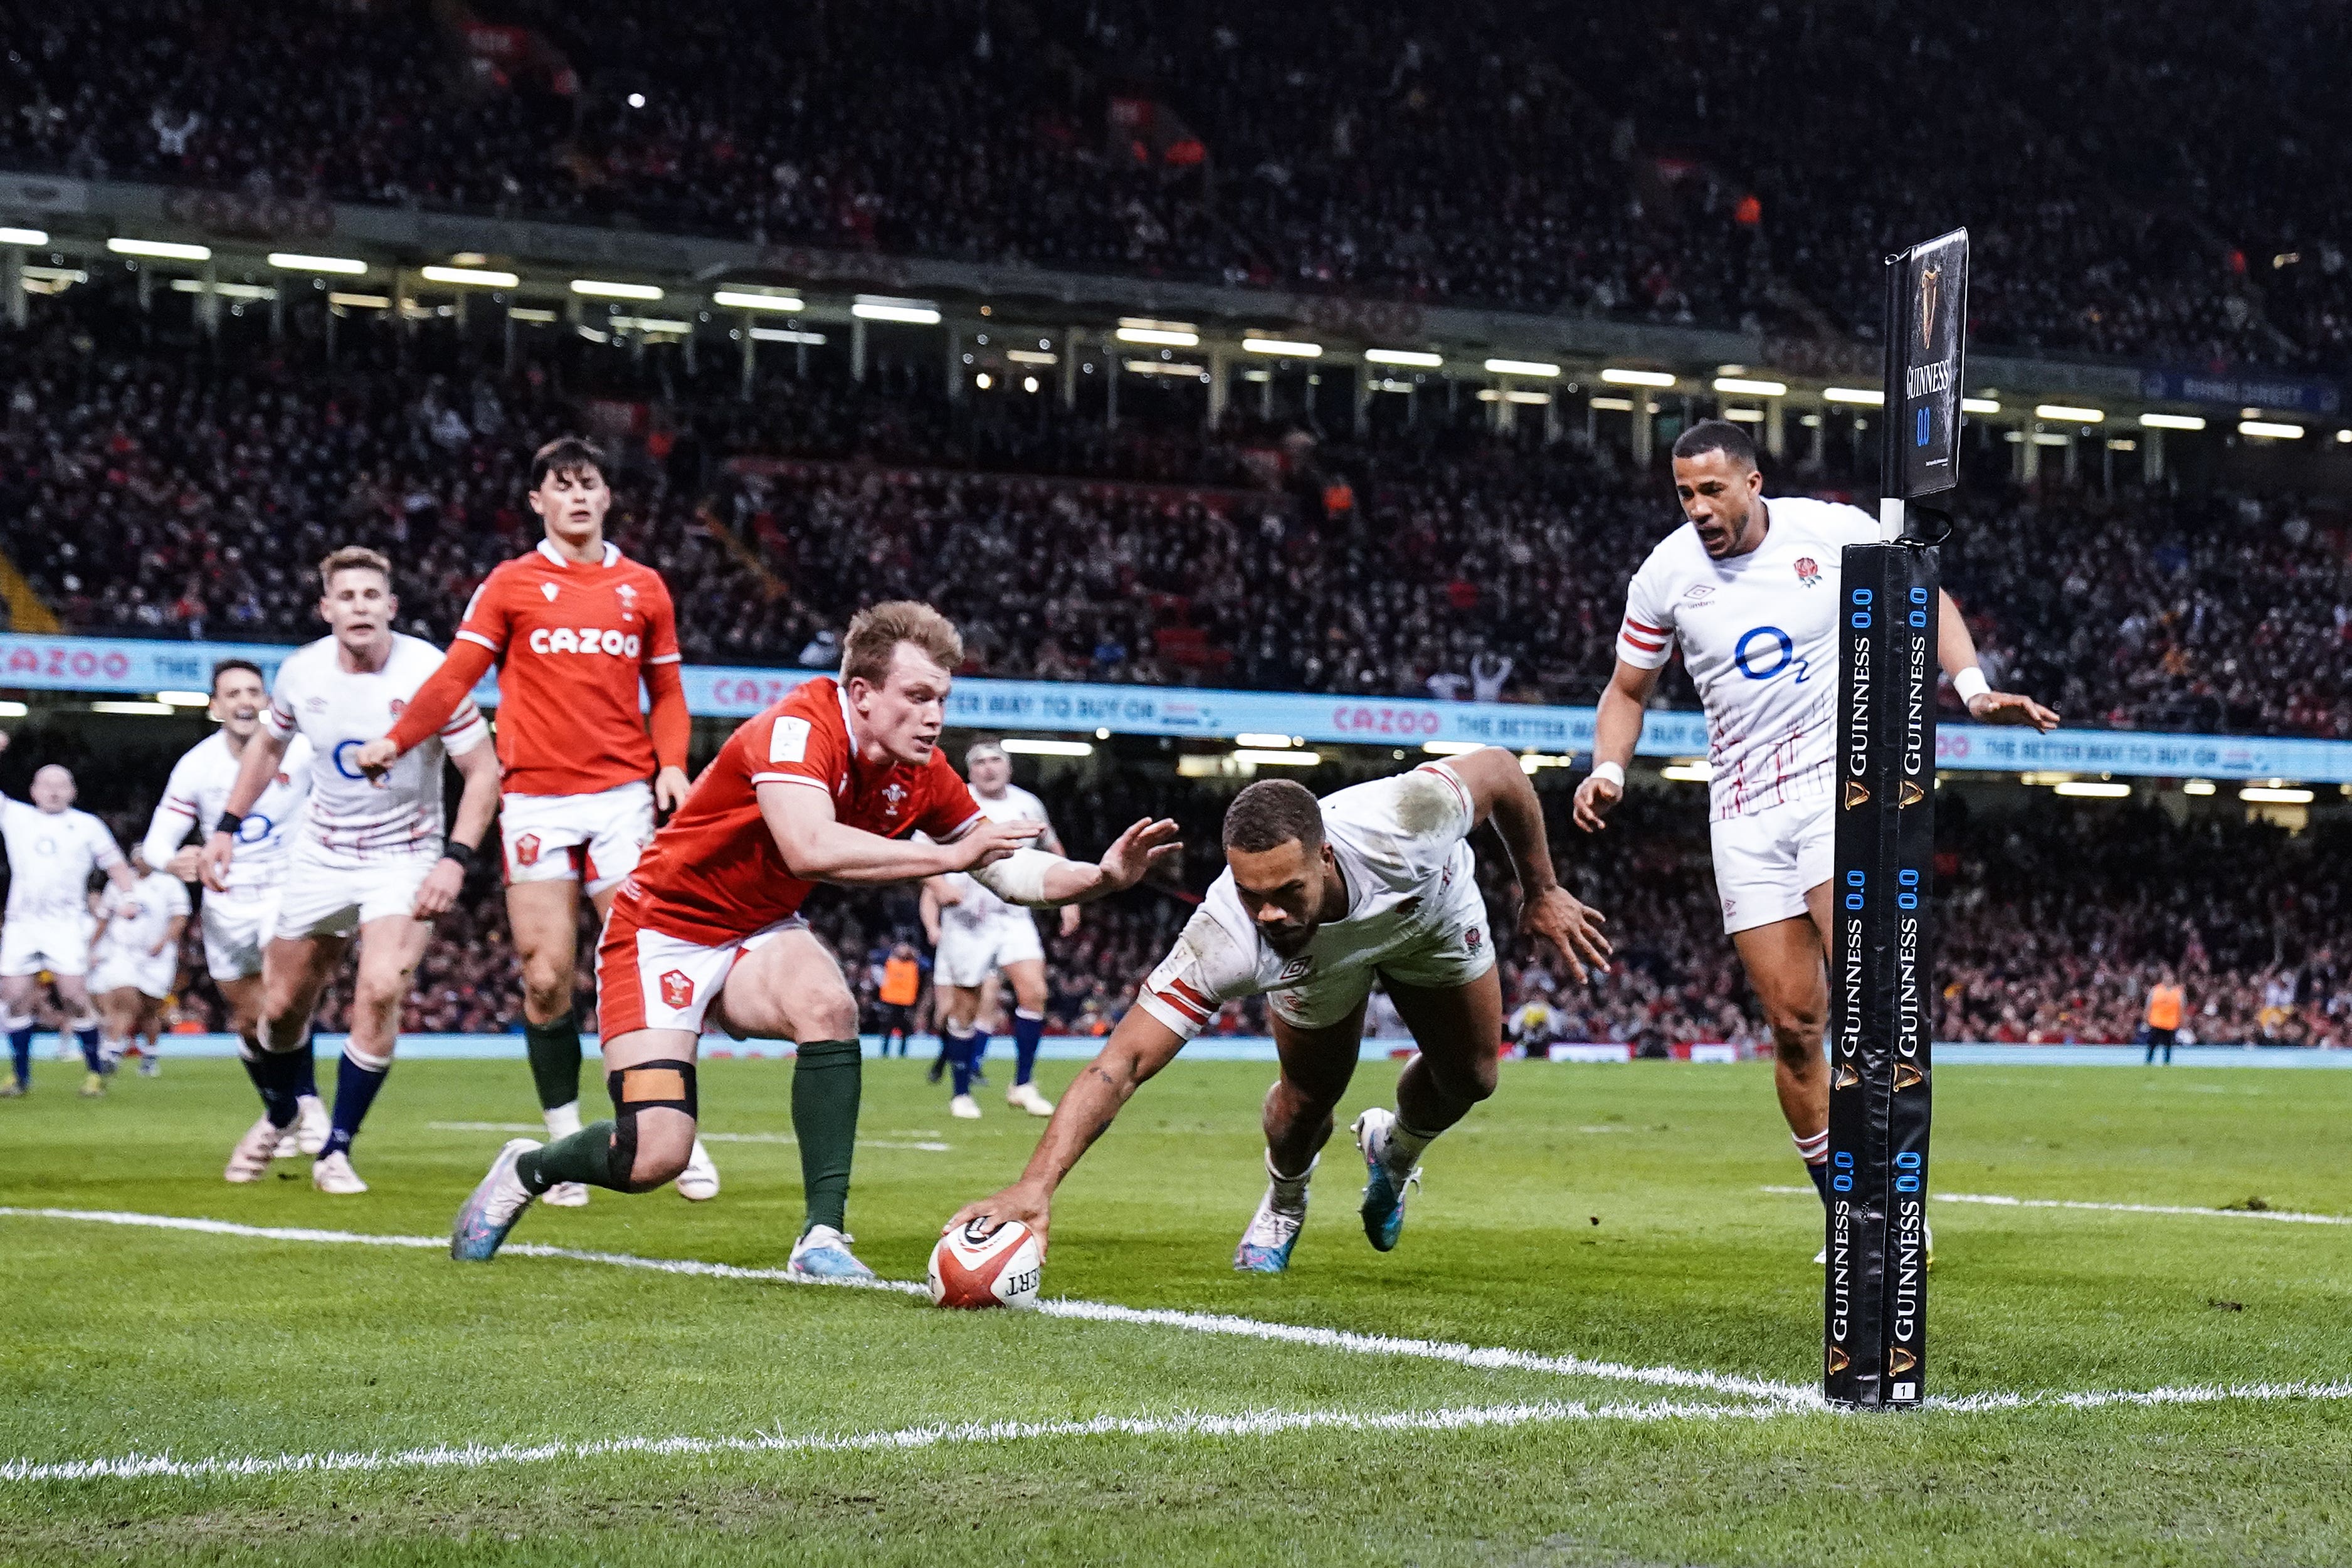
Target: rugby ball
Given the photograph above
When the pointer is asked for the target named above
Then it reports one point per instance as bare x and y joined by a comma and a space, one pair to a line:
969, 1269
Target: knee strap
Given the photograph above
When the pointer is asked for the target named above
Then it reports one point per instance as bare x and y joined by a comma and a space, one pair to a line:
648, 1086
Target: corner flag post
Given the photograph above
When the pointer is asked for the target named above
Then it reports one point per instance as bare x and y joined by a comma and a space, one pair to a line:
1882, 988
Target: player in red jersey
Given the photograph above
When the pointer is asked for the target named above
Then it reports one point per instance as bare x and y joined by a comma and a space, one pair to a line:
573, 626
830, 784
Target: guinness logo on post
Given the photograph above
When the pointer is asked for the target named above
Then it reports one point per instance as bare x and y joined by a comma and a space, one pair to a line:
1900, 1361
1929, 278
1912, 794
1839, 1360
1857, 793
1907, 1074
1846, 1076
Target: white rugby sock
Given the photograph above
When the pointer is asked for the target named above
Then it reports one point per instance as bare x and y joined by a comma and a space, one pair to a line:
1290, 1192
1405, 1145
563, 1121
1812, 1150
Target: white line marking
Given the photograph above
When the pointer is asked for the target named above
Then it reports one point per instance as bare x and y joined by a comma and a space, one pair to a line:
1995, 1200
928, 1148
1491, 1358
1250, 1423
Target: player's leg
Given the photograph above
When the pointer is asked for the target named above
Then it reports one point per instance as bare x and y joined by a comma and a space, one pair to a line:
1459, 1030
1022, 960
1318, 1060
391, 947
788, 986
118, 1020
543, 913
295, 971
959, 976
147, 1028
16, 1004
80, 1016
1786, 967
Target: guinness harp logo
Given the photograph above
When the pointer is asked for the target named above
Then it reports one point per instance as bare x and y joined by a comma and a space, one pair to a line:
1857, 793
1839, 1361
1907, 1075
1900, 1361
1846, 1076
1912, 794
1930, 277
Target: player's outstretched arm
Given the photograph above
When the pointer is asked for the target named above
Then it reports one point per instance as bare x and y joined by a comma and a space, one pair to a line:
816, 847
1616, 729
1956, 651
477, 766
1499, 788
255, 770
1140, 1047
1036, 880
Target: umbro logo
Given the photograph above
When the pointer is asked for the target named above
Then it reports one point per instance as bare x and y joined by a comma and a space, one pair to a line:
1699, 592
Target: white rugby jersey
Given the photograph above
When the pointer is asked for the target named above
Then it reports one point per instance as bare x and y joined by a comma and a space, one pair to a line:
1758, 633
352, 820
198, 793
50, 857
979, 905
1400, 842
137, 920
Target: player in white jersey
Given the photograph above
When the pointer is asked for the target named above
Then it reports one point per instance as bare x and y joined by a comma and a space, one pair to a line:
134, 962
1318, 901
1747, 588
370, 858
52, 850
238, 920
975, 932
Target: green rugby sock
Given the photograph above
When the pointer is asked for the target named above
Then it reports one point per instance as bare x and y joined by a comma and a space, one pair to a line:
826, 1077
554, 1052
587, 1155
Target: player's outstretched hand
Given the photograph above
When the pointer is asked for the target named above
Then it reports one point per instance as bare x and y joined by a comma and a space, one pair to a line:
1594, 798
219, 850
1031, 1205
1136, 851
377, 758
670, 787
1561, 918
439, 889
2012, 707
991, 840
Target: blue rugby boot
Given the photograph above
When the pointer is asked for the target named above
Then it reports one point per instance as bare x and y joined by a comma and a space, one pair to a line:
823, 1254
1273, 1229
1384, 1187
492, 1211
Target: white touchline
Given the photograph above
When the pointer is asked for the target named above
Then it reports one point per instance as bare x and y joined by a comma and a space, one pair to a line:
926, 1147
1493, 1358
1248, 1424
1995, 1200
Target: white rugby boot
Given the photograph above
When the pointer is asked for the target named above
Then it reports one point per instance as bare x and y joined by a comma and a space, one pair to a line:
1024, 1097
699, 1182
333, 1174
964, 1108
249, 1161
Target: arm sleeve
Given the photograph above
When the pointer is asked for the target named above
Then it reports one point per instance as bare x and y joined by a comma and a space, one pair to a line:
104, 853
465, 729
279, 717
673, 726
446, 694
175, 814
1205, 970
1647, 638
788, 748
661, 625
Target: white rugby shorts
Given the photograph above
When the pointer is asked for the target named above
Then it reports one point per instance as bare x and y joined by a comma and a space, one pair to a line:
30, 944
970, 949
650, 979
1451, 949
151, 976
1766, 861
238, 925
595, 838
325, 898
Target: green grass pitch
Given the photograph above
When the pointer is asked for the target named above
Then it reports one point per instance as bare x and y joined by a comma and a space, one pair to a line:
1612, 1214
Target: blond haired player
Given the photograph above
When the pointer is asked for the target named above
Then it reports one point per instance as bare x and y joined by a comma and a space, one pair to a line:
831, 784
1748, 590
573, 627
372, 859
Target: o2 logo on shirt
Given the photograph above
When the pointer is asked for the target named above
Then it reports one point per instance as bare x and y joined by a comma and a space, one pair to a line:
1763, 652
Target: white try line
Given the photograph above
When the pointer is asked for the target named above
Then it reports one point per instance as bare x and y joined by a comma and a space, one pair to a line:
1492, 1358
1995, 1200
1249, 1424
926, 1147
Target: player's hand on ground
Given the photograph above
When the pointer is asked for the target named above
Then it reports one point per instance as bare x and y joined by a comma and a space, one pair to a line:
1021, 1201
1594, 798
1070, 918
219, 850
989, 841
438, 891
1561, 918
1136, 851
188, 865
671, 786
2012, 707
377, 758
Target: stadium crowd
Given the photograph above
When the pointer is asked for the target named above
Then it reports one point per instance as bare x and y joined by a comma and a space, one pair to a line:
157, 491
2146, 181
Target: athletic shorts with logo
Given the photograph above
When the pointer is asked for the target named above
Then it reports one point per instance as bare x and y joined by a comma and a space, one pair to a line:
331, 898
650, 979
595, 838
969, 950
29, 944
1449, 948
1766, 861
238, 925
